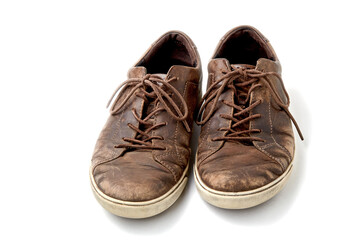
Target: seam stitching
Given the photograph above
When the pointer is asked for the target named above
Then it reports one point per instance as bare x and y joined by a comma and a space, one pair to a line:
271, 131
168, 167
272, 136
267, 145
160, 161
177, 126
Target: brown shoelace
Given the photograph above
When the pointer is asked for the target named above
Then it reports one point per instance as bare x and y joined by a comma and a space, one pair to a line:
239, 79
151, 89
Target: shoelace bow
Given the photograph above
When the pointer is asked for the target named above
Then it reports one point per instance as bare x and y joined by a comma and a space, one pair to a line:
240, 78
157, 93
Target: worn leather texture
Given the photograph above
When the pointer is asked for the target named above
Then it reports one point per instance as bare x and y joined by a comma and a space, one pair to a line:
236, 165
135, 174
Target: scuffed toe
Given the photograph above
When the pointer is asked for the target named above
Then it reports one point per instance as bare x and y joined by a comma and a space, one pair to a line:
132, 178
246, 170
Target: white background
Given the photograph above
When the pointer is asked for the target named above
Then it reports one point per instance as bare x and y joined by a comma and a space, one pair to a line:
61, 60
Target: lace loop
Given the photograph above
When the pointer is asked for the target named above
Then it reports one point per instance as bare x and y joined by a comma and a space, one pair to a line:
248, 77
150, 87
153, 82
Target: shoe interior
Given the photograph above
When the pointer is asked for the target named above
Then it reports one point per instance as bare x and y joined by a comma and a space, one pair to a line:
244, 46
172, 49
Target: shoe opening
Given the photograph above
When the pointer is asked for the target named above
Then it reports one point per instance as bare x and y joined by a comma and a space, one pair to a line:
244, 46
172, 49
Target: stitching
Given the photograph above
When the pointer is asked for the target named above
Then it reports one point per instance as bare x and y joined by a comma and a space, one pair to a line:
207, 132
208, 144
207, 129
271, 132
262, 148
165, 154
277, 160
177, 126
168, 167
104, 161
267, 145
113, 154
231, 112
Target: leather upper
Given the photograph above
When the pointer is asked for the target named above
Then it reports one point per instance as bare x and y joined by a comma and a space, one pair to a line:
137, 174
238, 165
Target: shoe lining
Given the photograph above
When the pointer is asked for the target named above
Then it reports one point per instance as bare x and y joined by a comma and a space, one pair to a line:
244, 47
172, 49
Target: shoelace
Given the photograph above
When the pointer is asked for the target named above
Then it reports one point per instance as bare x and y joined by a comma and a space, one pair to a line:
240, 78
157, 93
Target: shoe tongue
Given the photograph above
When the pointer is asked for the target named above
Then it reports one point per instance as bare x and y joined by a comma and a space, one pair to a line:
140, 71
218, 65
160, 75
246, 66
137, 72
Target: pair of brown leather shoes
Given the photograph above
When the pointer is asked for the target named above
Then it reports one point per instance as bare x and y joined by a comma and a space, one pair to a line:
246, 146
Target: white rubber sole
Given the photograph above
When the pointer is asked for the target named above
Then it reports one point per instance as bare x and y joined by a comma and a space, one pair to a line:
241, 200
144, 209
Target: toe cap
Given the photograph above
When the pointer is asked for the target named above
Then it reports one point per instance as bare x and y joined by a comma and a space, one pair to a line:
238, 168
134, 177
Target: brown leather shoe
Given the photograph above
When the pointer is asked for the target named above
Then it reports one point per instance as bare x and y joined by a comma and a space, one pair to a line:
141, 159
246, 144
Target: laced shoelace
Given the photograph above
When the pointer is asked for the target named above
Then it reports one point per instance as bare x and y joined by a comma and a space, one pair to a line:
151, 89
242, 78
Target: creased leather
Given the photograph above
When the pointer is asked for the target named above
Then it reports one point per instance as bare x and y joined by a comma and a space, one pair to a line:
114, 130
237, 167
138, 175
206, 146
233, 166
275, 124
177, 153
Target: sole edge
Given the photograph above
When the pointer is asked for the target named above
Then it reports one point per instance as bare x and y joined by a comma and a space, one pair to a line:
143, 209
241, 200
